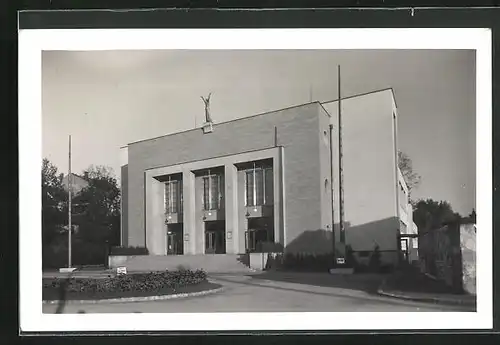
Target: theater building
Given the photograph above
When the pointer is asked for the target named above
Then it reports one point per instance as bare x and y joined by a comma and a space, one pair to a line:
265, 181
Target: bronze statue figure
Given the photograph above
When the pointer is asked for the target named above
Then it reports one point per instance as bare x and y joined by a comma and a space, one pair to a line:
208, 119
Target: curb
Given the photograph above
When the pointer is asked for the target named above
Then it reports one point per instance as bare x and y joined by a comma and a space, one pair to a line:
435, 300
137, 299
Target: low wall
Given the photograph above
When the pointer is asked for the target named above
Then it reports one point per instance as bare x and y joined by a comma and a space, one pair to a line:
262, 261
468, 254
449, 254
115, 261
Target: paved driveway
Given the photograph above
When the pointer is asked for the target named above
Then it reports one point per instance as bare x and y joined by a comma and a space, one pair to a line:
270, 294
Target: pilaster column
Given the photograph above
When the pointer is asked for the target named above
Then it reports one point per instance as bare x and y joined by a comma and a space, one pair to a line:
189, 208
155, 227
231, 208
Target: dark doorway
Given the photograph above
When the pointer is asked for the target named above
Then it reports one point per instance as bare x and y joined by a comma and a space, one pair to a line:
260, 232
405, 249
215, 237
175, 243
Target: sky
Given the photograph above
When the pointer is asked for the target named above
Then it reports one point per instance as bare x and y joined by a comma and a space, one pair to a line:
107, 99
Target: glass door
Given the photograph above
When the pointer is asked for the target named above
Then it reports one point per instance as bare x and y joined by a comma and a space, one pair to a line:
175, 245
251, 241
171, 244
210, 244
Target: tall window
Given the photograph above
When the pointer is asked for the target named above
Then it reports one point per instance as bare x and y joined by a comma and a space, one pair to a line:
171, 196
212, 192
259, 186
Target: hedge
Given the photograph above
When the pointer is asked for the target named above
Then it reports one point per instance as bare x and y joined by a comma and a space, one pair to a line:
129, 251
83, 253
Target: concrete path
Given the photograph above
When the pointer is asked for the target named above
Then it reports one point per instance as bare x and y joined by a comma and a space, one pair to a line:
466, 300
247, 294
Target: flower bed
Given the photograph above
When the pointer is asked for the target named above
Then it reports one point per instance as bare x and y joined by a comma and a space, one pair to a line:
144, 284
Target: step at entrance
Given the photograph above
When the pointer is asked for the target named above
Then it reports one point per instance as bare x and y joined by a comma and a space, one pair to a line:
210, 263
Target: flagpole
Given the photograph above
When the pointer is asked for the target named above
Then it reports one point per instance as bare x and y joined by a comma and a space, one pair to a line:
341, 167
69, 203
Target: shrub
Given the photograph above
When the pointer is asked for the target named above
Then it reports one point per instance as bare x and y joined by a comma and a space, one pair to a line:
182, 268
270, 247
350, 258
129, 251
133, 282
55, 255
375, 261
308, 262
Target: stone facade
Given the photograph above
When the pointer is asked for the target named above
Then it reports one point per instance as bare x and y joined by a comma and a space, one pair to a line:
302, 143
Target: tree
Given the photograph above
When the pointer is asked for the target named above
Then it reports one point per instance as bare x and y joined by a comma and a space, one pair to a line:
471, 218
100, 221
411, 178
53, 199
430, 214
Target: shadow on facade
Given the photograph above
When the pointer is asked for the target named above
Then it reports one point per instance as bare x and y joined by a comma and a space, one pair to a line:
365, 282
244, 259
313, 250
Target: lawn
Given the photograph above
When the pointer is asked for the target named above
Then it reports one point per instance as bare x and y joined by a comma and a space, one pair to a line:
413, 281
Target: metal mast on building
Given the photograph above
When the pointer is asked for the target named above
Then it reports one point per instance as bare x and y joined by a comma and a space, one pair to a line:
70, 186
209, 190
341, 166
254, 187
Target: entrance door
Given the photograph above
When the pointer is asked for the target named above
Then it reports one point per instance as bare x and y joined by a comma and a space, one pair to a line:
214, 242
255, 238
172, 244
175, 245
260, 231
215, 233
210, 242
404, 249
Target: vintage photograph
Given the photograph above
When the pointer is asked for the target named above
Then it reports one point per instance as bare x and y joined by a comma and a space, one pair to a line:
209, 181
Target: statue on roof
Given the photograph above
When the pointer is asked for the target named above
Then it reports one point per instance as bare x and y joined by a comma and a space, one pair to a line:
208, 119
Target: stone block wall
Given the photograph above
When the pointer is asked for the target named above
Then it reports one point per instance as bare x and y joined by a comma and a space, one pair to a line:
449, 255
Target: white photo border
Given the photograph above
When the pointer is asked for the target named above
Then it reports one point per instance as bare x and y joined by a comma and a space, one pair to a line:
33, 42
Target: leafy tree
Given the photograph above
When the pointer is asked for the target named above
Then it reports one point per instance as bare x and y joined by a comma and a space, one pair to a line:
411, 178
430, 214
96, 210
100, 221
53, 199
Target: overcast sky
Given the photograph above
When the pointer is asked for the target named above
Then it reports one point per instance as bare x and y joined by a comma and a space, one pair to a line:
106, 99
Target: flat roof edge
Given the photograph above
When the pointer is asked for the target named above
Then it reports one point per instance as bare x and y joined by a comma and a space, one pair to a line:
229, 121
363, 94
320, 103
